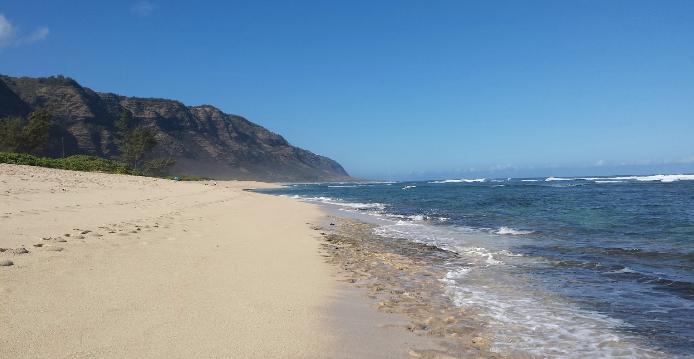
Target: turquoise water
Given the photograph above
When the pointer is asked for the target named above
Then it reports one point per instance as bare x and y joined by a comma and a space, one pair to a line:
613, 254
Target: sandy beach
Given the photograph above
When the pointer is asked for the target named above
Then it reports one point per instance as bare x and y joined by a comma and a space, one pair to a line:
123, 266
100, 265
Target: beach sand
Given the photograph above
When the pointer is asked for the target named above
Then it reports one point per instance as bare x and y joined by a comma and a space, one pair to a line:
121, 266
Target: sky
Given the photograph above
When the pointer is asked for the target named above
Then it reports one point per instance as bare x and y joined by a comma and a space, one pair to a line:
398, 89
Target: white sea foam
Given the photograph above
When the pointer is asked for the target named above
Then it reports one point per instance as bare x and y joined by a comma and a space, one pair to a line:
617, 179
449, 238
340, 203
508, 253
416, 232
462, 180
511, 231
409, 187
525, 322
621, 271
456, 274
413, 217
481, 256
530, 180
549, 179
357, 205
344, 186
319, 199
660, 178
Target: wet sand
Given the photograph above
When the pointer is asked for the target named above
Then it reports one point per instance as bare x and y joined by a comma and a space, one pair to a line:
99, 265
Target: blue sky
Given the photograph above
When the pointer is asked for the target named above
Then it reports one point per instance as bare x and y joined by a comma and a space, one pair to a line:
398, 89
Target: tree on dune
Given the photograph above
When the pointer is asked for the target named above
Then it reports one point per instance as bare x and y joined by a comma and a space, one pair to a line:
29, 136
135, 142
36, 132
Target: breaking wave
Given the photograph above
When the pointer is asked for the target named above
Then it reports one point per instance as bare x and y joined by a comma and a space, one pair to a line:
462, 180
617, 179
511, 231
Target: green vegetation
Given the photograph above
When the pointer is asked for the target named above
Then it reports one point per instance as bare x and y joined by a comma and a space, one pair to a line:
11, 133
20, 135
75, 163
188, 178
135, 142
22, 138
84, 163
158, 167
37, 131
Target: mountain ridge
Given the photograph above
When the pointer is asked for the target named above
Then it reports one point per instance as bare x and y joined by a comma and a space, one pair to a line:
202, 139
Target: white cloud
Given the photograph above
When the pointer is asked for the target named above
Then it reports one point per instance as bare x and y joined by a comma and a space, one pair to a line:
38, 35
10, 35
142, 8
7, 31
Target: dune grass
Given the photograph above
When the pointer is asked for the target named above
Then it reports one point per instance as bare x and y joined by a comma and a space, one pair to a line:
75, 163
84, 163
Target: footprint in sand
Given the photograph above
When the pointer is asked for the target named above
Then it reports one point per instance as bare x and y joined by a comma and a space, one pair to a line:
5, 263
20, 250
54, 249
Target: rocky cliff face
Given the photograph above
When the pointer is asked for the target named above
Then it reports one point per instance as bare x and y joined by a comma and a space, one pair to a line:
203, 140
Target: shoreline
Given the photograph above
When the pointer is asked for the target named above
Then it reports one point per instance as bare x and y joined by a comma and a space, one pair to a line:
110, 265
469, 302
400, 280
104, 265
143, 267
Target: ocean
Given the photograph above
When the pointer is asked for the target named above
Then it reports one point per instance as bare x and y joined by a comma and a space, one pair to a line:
557, 267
